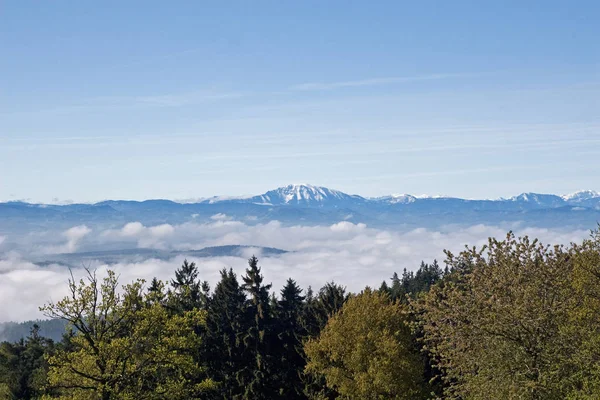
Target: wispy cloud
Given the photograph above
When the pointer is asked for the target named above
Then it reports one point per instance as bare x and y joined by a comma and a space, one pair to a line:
133, 102
374, 82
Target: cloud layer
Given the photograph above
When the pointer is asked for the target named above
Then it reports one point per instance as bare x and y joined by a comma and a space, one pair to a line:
354, 255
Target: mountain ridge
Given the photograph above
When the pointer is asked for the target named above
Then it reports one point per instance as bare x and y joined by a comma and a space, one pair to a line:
311, 195
310, 205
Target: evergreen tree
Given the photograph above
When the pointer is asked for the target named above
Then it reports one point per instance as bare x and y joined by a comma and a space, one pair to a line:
156, 292
290, 353
258, 339
384, 288
328, 301
226, 324
396, 291
187, 288
23, 368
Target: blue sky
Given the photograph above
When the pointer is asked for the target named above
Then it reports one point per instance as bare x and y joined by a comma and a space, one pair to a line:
179, 100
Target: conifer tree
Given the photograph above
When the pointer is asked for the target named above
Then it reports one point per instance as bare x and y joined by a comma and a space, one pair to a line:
328, 301
23, 368
156, 292
384, 288
226, 324
396, 289
187, 288
258, 339
290, 353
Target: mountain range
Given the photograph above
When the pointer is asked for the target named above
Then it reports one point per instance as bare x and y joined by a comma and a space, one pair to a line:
317, 196
312, 205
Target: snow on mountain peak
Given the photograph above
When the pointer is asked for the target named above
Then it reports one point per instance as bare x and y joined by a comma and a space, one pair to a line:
303, 194
581, 195
398, 199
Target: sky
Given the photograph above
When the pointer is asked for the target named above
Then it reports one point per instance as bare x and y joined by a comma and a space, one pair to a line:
188, 99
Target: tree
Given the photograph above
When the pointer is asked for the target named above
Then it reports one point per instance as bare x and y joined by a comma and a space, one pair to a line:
258, 339
290, 335
495, 326
23, 368
583, 329
226, 325
328, 301
397, 291
317, 311
188, 291
123, 347
156, 292
366, 350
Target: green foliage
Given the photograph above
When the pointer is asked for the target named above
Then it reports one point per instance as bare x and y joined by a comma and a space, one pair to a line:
124, 347
258, 338
290, 333
223, 346
583, 328
321, 307
413, 283
495, 328
366, 351
23, 368
189, 292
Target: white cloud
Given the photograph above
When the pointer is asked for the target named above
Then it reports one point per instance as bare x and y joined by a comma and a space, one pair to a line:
351, 254
220, 217
132, 229
143, 236
73, 236
163, 230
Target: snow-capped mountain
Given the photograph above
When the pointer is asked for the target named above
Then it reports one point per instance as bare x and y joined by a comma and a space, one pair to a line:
539, 200
582, 196
310, 196
300, 195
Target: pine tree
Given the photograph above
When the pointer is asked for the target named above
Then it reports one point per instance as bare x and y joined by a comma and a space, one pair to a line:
23, 367
187, 288
156, 292
290, 353
396, 289
226, 324
258, 339
384, 288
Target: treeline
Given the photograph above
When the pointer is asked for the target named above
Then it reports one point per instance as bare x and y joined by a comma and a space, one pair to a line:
512, 320
15, 331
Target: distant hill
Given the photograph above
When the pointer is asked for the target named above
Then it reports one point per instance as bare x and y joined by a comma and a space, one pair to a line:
136, 255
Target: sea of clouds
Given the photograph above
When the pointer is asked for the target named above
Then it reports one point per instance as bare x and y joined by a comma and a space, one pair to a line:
353, 255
